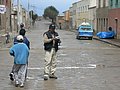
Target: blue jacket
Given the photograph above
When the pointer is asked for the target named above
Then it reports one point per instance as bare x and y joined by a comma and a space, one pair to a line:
20, 52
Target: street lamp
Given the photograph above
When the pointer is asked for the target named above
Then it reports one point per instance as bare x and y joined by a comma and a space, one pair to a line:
116, 22
18, 15
28, 22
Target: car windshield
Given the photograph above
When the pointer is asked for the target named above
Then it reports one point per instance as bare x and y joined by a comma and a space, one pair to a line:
86, 27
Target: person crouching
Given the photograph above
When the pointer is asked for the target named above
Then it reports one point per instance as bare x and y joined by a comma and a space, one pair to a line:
20, 52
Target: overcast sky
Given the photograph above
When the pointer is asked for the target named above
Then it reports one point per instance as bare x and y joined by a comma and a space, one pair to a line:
39, 5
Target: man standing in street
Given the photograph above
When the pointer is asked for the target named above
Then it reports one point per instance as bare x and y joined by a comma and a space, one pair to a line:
51, 40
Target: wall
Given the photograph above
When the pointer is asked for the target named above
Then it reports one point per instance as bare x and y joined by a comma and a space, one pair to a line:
114, 14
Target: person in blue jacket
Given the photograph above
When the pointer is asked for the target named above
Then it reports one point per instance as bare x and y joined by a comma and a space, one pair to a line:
20, 52
26, 41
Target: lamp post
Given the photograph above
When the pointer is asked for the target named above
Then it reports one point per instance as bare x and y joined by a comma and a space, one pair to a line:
116, 23
18, 14
28, 22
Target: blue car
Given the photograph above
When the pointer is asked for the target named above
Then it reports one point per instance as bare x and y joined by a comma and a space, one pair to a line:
85, 30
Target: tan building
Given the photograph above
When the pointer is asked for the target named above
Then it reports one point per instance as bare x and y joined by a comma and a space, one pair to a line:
8, 18
71, 17
5, 17
66, 19
74, 19
5, 21
18, 18
60, 21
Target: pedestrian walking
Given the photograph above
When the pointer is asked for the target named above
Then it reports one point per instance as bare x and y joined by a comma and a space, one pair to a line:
20, 52
26, 41
23, 32
51, 40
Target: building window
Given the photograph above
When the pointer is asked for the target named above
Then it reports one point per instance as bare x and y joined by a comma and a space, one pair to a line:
83, 9
116, 3
0, 1
104, 22
99, 3
104, 3
111, 3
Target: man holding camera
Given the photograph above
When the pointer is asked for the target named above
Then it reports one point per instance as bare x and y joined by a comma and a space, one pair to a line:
51, 41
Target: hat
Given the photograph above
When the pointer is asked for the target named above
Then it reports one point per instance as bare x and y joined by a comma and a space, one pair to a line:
52, 26
19, 38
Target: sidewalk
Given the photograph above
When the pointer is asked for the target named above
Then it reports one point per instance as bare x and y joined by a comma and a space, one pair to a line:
115, 42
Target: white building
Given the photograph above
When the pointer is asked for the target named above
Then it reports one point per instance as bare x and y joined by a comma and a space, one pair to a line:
83, 11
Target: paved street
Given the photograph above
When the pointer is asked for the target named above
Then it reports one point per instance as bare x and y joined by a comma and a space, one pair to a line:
81, 64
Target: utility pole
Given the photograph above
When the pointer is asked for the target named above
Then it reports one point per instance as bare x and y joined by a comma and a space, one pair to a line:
32, 13
29, 14
18, 14
28, 22
11, 16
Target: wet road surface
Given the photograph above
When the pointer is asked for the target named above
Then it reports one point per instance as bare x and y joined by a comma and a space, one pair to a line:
81, 64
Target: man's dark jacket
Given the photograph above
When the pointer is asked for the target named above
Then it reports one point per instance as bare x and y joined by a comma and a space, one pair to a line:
49, 46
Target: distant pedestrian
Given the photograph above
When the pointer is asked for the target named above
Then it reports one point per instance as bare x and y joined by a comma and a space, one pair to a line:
20, 52
51, 40
7, 37
26, 41
60, 25
21, 26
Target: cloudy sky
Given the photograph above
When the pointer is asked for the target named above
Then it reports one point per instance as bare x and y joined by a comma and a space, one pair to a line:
39, 5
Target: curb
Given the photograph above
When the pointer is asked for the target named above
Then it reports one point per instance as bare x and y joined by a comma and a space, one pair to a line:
107, 41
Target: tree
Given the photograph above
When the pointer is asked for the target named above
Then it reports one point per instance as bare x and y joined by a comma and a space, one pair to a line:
51, 12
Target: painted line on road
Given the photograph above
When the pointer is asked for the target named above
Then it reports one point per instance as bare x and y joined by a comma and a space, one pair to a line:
89, 67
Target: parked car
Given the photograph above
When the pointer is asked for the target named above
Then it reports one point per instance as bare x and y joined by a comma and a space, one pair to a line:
84, 30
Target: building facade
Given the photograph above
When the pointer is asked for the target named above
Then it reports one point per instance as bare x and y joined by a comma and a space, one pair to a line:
66, 19
5, 21
92, 14
60, 21
74, 19
83, 11
5, 18
114, 16
71, 17
102, 15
